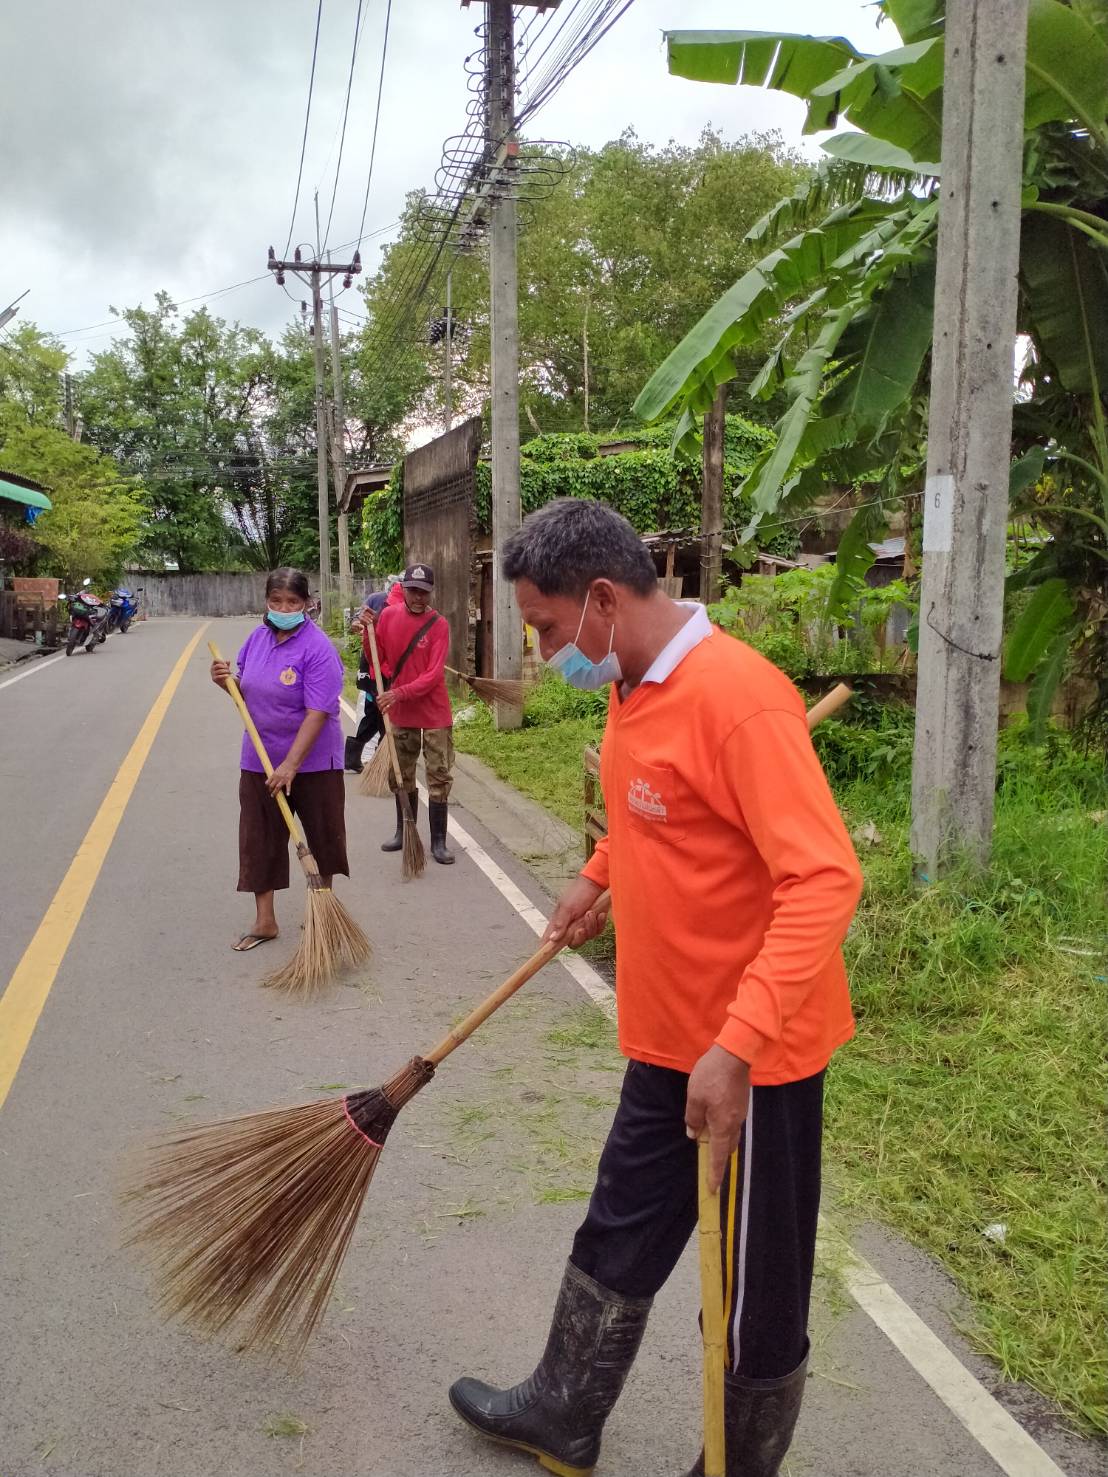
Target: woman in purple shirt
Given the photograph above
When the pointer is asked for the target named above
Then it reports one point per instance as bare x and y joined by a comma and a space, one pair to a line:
291, 678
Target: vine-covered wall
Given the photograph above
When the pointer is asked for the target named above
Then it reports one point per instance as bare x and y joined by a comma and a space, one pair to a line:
652, 490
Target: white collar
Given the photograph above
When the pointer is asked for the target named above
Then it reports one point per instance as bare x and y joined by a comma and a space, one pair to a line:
695, 630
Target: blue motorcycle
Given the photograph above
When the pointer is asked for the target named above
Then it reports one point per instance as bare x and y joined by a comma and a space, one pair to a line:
123, 609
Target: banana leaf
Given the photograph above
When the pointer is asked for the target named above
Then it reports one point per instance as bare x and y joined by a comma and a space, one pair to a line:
1049, 612
1040, 698
879, 154
1065, 280
1067, 69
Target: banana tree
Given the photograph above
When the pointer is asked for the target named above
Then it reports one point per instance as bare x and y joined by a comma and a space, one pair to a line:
848, 277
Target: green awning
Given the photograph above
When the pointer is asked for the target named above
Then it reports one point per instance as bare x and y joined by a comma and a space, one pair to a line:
25, 495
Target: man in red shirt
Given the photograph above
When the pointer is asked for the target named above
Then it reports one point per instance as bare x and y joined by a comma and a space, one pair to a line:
732, 883
413, 640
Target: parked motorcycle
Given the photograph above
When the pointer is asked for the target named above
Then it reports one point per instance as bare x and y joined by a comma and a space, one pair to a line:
88, 620
122, 609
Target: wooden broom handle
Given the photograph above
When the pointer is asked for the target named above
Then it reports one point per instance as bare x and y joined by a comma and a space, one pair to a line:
252, 729
541, 957
464, 1029
829, 703
390, 738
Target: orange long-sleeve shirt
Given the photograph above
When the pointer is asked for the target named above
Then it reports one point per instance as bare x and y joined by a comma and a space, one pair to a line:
733, 878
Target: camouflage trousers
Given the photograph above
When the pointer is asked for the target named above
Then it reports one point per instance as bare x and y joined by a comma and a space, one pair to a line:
437, 745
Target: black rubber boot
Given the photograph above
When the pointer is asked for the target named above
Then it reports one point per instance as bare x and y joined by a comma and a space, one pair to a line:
558, 1412
759, 1419
352, 757
437, 810
397, 842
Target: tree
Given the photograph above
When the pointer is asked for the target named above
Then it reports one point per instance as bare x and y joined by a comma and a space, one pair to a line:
96, 518
617, 261
849, 285
31, 365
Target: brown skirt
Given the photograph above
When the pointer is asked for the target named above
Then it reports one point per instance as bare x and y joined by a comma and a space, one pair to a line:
318, 799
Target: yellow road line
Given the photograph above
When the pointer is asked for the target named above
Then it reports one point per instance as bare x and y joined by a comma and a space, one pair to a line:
21, 1003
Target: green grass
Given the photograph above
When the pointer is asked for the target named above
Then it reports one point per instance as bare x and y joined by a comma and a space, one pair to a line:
972, 1094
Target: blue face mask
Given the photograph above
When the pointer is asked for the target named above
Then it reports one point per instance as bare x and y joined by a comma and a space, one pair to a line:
284, 620
574, 667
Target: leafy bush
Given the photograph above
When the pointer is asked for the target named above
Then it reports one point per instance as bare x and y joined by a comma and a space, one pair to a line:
785, 617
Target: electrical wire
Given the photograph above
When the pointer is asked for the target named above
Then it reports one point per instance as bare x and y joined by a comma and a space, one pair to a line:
304, 139
376, 118
345, 115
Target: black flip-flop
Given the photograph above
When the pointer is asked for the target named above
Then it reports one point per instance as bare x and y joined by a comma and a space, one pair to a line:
251, 941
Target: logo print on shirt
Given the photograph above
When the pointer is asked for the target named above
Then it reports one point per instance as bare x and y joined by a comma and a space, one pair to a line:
288, 676
646, 802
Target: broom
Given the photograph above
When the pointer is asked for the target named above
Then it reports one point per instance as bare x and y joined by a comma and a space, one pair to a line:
247, 1220
330, 937
375, 779
494, 690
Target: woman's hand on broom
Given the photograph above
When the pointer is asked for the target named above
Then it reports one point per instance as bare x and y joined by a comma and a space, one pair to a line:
717, 1101
281, 778
576, 919
220, 671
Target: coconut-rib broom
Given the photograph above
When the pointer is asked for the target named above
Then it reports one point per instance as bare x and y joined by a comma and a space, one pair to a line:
247, 1220
493, 690
375, 778
330, 938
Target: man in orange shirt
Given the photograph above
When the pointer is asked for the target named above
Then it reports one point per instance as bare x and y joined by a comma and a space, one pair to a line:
732, 882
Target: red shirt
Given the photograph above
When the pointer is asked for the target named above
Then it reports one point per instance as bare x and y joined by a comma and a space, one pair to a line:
422, 699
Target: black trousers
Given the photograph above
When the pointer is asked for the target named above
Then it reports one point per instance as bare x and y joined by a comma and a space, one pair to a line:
371, 723
644, 1209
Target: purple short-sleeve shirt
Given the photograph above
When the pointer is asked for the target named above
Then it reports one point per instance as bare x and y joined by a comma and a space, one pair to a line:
281, 681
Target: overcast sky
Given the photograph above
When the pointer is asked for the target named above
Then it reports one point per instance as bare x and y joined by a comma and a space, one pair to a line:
149, 145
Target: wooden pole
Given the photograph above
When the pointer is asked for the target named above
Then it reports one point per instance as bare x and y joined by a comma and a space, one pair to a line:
969, 448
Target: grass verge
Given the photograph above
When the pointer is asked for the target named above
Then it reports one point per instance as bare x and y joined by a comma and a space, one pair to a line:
967, 1113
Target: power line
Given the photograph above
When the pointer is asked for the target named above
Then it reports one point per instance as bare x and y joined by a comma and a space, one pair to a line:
345, 113
304, 139
376, 117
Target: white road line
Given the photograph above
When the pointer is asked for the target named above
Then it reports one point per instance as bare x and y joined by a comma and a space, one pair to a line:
49, 661
34, 667
1015, 1452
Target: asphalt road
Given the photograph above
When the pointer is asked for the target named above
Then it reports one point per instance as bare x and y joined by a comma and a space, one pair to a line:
152, 1021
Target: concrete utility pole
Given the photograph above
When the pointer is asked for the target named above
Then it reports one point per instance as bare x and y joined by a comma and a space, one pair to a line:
711, 500
969, 448
312, 274
338, 456
503, 282
448, 359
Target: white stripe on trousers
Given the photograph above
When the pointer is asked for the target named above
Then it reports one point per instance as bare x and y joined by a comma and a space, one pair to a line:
744, 1220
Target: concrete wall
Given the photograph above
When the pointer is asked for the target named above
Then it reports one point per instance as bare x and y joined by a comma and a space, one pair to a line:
199, 594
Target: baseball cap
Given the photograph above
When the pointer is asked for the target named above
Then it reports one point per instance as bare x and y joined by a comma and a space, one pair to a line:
419, 577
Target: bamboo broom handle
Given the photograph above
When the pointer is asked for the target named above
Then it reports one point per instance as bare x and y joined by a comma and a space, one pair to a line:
389, 736
543, 956
251, 728
464, 1029
711, 1303
829, 703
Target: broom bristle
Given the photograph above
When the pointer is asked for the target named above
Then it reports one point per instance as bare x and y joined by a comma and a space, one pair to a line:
414, 858
247, 1220
330, 941
499, 690
374, 780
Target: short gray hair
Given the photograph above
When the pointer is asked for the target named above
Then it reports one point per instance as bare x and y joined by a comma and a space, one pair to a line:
562, 547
